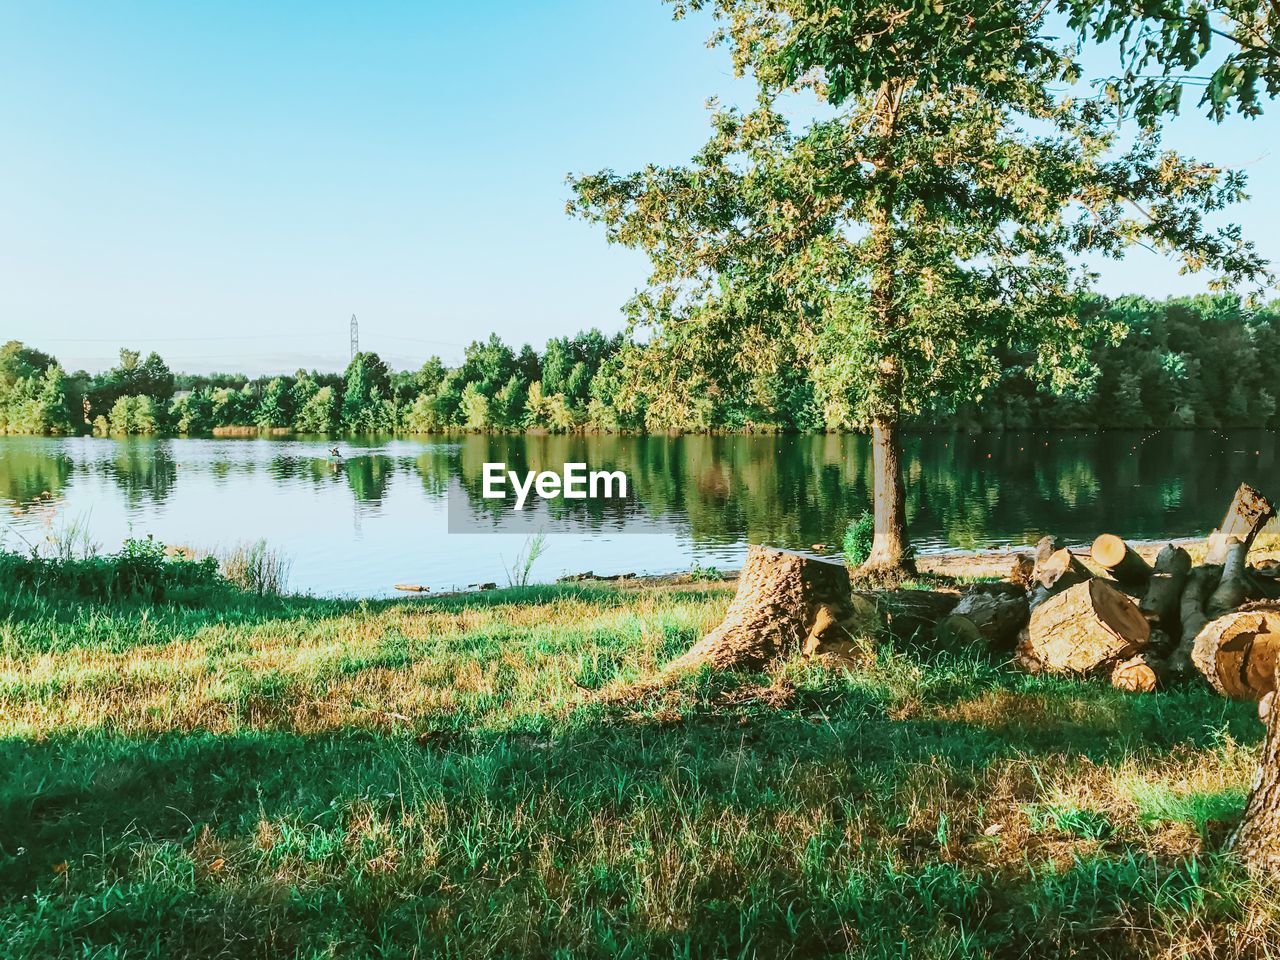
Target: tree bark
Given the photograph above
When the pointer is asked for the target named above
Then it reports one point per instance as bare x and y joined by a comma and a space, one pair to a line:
1024, 566
786, 603
1057, 572
1160, 603
912, 615
1047, 546
1201, 582
1087, 627
889, 545
1237, 652
1120, 560
1233, 586
988, 618
1257, 839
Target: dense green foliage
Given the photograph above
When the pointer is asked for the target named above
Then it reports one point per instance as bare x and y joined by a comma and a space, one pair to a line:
287, 777
141, 570
1194, 362
856, 545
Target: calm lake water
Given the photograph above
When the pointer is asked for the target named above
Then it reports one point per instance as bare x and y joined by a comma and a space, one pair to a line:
381, 517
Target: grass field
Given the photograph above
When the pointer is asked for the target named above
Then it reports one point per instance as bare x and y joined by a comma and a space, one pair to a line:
252, 776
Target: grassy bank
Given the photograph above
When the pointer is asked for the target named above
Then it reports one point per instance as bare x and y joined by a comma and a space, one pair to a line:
285, 777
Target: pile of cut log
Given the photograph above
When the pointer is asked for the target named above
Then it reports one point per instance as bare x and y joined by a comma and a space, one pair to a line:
1145, 624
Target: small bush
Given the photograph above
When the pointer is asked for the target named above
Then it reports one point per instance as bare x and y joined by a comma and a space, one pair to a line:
700, 574
857, 540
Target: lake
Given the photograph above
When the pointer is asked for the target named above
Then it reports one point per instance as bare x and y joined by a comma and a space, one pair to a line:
381, 516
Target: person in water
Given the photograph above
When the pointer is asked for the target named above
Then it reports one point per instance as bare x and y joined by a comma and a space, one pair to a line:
335, 453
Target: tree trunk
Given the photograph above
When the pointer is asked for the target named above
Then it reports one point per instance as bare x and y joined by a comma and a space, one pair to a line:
1160, 603
1257, 839
1233, 585
988, 618
1120, 560
1087, 627
1246, 516
1237, 652
786, 603
889, 545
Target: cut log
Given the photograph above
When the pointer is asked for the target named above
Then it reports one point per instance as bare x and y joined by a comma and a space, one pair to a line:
1024, 566
1257, 839
786, 603
1237, 652
1144, 673
1201, 582
1160, 603
1046, 547
1088, 627
1248, 514
987, 618
1057, 572
1261, 585
1120, 560
1233, 585
912, 614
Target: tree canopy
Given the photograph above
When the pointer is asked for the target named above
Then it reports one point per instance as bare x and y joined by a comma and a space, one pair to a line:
935, 212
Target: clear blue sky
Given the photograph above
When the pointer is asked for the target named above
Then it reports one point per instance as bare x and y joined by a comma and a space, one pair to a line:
228, 182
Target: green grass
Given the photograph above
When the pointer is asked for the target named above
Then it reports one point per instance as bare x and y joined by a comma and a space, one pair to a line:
258, 776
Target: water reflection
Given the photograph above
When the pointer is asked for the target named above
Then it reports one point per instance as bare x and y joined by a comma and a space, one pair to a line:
384, 504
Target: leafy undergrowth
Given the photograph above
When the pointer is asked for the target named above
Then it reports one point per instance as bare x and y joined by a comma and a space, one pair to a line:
286, 777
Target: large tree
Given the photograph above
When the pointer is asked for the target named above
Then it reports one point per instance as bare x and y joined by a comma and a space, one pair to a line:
932, 216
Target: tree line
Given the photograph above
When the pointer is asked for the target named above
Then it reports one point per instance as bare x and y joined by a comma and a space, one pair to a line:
1208, 361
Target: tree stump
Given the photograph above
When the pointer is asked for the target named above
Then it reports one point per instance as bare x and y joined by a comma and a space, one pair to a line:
1120, 560
1237, 652
987, 618
1085, 628
786, 603
1257, 839
1248, 513
1160, 603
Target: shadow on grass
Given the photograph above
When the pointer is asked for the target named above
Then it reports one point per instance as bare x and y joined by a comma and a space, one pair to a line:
550, 836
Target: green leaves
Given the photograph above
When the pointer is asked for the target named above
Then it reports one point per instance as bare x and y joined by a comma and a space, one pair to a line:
935, 215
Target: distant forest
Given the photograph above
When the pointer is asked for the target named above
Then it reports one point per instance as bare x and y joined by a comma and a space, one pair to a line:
1194, 362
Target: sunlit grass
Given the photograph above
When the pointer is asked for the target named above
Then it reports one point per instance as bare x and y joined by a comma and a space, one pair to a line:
478, 776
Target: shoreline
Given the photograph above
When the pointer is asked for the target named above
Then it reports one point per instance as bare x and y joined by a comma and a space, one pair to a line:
955, 564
